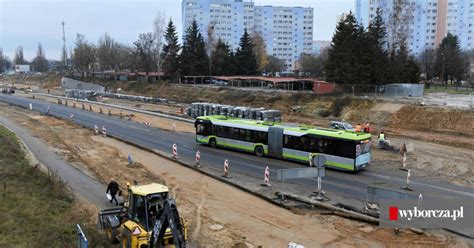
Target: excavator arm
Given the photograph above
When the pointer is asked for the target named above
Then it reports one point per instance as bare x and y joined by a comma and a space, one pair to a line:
169, 218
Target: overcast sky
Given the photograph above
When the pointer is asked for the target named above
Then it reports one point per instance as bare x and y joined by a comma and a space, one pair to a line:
27, 22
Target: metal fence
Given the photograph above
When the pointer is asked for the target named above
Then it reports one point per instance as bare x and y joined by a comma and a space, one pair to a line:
375, 194
81, 238
387, 90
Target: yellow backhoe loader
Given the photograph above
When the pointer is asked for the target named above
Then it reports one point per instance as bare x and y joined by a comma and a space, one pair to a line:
149, 218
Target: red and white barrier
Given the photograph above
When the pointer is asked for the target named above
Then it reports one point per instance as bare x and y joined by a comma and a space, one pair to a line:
226, 168
408, 177
407, 186
104, 131
198, 158
148, 124
404, 160
266, 178
96, 130
175, 151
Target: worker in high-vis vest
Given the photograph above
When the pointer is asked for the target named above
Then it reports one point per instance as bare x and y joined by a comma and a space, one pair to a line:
381, 138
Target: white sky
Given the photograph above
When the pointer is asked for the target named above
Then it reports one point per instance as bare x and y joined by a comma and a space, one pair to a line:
27, 22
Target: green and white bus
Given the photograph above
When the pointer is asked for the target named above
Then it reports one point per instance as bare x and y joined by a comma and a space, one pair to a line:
344, 150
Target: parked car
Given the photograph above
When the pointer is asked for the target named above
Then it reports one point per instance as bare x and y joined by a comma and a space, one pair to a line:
341, 125
8, 91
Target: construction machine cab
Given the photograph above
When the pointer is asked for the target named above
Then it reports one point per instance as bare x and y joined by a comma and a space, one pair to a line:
145, 203
149, 219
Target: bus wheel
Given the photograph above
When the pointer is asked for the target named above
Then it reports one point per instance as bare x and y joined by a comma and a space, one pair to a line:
212, 142
259, 151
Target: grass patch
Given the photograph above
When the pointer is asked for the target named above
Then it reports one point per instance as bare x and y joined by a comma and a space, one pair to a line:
36, 209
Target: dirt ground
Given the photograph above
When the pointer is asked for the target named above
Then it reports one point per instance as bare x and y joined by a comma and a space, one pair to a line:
218, 215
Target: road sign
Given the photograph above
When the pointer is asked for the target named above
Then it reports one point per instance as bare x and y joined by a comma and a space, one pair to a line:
284, 174
319, 160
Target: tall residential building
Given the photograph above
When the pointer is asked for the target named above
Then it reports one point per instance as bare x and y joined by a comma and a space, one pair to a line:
287, 31
320, 45
424, 23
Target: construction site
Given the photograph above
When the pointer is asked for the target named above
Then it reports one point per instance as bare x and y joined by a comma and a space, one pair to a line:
229, 198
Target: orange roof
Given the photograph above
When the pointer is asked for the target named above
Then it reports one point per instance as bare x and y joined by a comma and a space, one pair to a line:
268, 79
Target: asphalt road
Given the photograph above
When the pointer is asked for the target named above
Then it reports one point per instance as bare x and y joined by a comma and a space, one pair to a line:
345, 185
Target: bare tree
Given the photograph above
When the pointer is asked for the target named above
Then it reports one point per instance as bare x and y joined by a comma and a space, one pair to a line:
40, 63
107, 53
274, 64
144, 53
260, 51
313, 65
124, 57
399, 20
158, 32
3, 62
427, 61
210, 45
19, 58
84, 55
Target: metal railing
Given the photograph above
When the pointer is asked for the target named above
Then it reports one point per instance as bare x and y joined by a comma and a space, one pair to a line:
81, 238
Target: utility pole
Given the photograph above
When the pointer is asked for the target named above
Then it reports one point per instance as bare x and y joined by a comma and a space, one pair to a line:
442, 73
64, 47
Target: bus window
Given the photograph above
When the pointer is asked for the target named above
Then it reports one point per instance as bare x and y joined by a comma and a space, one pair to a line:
242, 134
203, 129
322, 146
248, 135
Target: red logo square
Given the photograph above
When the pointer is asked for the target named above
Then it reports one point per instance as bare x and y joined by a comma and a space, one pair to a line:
393, 213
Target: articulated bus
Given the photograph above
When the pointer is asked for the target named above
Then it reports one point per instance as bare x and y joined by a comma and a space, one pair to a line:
344, 150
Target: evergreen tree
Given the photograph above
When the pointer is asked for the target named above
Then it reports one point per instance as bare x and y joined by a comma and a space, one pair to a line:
169, 54
402, 67
194, 59
222, 62
449, 63
245, 59
376, 41
342, 64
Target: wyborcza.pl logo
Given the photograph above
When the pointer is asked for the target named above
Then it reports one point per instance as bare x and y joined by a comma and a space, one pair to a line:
429, 213
409, 214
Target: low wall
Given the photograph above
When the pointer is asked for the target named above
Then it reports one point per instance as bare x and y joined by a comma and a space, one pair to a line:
68, 83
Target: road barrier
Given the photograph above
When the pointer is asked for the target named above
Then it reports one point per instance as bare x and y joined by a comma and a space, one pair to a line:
404, 162
96, 129
266, 177
198, 159
226, 168
407, 186
81, 238
104, 131
71, 117
123, 108
175, 151
31, 106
